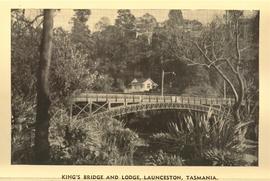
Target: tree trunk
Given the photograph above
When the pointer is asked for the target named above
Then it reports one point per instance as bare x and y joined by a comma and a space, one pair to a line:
41, 148
241, 89
239, 101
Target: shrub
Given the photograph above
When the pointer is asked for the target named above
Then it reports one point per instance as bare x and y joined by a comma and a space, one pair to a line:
92, 142
219, 157
212, 139
166, 142
22, 125
162, 158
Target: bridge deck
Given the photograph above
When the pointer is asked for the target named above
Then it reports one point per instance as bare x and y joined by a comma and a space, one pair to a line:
137, 98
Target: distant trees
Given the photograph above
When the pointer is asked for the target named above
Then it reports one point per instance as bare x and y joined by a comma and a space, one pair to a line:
102, 24
125, 20
175, 18
145, 26
80, 30
220, 47
139, 47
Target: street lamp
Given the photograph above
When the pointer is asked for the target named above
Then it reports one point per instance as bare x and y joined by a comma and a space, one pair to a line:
162, 79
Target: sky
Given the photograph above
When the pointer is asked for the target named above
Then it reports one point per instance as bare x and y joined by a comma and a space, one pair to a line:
203, 16
63, 17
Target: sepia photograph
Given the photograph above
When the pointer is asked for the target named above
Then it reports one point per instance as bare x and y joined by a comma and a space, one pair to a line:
135, 87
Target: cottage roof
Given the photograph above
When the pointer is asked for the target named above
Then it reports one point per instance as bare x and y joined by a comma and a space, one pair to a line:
141, 81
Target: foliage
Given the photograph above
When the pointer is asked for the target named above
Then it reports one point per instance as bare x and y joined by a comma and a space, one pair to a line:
25, 40
175, 18
125, 20
220, 47
103, 23
72, 72
103, 83
103, 142
69, 67
167, 142
219, 139
146, 23
80, 31
162, 158
224, 158
22, 130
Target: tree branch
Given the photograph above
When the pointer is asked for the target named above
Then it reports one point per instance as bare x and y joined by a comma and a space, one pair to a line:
219, 71
205, 48
238, 55
192, 62
230, 65
242, 49
36, 18
213, 51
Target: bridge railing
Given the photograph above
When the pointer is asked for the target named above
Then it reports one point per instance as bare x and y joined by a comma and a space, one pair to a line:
133, 98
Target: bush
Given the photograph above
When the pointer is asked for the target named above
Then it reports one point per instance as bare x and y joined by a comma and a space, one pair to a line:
166, 142
218, 157
207, 139
92, 142
22, 125
162, 158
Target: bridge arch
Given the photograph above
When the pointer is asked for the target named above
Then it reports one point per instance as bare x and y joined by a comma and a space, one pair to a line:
133, 108
123, 110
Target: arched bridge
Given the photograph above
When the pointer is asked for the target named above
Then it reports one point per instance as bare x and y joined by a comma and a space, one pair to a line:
99, 105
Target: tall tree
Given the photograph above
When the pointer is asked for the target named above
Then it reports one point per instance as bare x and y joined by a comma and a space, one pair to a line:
41, 148
175, 18
80, 33
125, 21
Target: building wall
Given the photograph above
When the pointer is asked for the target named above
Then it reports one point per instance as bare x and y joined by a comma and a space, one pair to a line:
146, 86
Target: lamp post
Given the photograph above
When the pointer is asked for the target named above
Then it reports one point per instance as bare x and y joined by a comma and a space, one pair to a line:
162, 79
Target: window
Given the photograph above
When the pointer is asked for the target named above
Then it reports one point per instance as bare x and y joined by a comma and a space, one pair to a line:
148, 86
